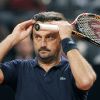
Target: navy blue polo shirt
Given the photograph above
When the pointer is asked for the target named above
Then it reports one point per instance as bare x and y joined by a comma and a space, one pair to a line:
31, 82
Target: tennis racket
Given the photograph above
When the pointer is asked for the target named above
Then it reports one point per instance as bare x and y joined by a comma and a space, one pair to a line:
86, 25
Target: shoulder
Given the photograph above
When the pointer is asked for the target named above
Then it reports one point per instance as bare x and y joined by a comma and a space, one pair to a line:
18, 63
28, 62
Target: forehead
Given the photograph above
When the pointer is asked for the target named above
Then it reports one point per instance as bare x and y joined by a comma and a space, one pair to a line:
42, 33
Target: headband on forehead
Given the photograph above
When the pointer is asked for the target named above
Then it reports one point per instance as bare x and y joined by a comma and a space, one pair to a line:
41, 17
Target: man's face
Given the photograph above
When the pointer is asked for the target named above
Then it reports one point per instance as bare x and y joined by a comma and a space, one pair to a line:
46, 44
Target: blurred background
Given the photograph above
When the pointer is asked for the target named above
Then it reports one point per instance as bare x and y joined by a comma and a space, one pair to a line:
13, 12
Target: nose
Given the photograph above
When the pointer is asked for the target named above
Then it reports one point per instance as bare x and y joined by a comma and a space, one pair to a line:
43, 43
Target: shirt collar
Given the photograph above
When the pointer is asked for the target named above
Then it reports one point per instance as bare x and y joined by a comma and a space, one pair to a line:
63, 62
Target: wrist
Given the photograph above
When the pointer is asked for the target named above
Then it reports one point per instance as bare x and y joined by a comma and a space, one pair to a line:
13, 39
64, 37
68, 44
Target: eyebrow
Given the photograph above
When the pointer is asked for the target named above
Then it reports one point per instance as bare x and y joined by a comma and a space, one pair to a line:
37, 34
55, 34
51, 33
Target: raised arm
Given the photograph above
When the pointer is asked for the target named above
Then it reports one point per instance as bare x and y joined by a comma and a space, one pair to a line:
20, 32
82, 71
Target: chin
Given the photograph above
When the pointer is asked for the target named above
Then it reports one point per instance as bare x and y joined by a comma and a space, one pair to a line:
46, 58
44, 55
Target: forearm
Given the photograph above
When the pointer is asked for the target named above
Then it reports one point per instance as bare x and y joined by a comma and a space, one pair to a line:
6, 45
82, 71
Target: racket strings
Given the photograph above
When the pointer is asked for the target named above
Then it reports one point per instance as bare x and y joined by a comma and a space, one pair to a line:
85, 28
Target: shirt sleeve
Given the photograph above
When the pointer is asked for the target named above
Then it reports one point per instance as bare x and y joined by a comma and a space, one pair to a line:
10, 71
78, 93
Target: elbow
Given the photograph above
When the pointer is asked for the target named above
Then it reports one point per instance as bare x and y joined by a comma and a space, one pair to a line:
1, 80
1, 77
94, 77
87, 83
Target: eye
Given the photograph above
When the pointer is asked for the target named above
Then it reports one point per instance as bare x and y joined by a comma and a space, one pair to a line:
51, 37
37, 37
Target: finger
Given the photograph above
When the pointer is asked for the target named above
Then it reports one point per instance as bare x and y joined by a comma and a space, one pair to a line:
26, 24
60, 22
26, 32
33, 21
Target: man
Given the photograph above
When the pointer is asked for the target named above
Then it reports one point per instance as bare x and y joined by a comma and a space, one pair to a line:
50, 76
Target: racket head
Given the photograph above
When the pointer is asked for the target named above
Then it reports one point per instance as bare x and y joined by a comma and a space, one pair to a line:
88, 25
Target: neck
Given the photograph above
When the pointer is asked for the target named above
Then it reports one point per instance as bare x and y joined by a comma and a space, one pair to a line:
48, 66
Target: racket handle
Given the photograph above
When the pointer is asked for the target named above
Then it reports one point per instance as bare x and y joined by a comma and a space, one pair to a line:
53, 28
46, 27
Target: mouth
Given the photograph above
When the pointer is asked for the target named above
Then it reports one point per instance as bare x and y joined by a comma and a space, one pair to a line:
43, 51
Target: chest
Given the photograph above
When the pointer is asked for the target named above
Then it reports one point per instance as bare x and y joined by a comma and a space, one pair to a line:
34, 83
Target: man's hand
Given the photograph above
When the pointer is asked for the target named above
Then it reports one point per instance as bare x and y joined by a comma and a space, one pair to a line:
65, 29
22, 30
77, 62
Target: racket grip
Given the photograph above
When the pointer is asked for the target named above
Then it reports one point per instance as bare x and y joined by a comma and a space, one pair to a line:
46, 27
53, 28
